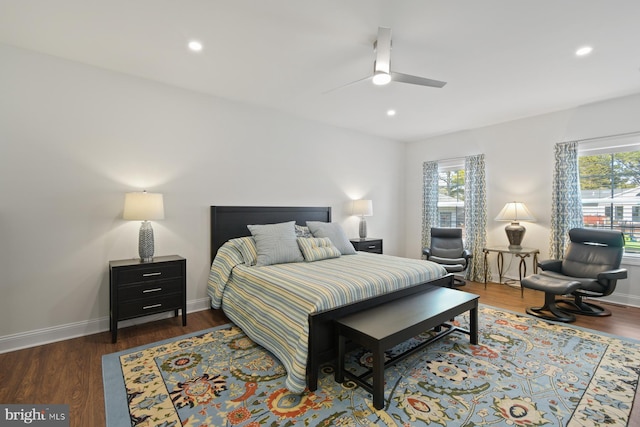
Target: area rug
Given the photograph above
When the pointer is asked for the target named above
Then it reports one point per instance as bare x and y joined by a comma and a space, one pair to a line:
523, 372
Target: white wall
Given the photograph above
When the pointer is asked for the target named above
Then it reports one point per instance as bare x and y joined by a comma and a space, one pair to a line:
74, 139
519, 159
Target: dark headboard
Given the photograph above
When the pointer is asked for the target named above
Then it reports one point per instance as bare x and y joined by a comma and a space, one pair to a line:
228, 222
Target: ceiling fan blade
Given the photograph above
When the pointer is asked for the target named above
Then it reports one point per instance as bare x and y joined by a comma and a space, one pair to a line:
345, 85
415, 80
382, 46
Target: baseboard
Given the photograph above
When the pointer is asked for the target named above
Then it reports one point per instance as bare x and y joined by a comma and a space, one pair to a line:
619, 299
79, 329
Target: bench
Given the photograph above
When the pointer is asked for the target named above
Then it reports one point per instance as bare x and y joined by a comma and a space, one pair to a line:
385, 326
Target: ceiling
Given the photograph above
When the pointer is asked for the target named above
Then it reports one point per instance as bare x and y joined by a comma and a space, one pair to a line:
502, 59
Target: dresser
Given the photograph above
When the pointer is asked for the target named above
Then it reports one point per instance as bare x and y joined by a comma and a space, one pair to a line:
367, 245
139, 288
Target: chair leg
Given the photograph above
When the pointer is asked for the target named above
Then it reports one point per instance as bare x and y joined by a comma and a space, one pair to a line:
457, 281
578, 306
549, 311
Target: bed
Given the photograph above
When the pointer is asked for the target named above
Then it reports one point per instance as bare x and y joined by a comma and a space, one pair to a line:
254, 298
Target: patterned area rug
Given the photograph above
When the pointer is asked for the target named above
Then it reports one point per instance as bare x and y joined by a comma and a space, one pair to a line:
524, 372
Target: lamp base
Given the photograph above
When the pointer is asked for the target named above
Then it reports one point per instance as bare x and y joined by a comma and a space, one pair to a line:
145, 242
515, 234
362, 230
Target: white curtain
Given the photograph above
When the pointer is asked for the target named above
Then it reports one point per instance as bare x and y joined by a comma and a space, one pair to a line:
566, 205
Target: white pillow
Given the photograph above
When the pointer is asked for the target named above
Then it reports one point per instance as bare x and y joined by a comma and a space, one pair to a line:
276, 243
333, 231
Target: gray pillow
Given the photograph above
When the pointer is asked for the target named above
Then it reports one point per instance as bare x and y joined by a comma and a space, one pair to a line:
276, 243
335, 233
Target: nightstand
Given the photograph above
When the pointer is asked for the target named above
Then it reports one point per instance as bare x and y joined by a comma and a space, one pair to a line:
367, 245
139, 288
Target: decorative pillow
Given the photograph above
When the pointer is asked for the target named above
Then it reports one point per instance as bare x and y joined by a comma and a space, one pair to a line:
333, 231
302, 231
316, 249
247, 247
275, 243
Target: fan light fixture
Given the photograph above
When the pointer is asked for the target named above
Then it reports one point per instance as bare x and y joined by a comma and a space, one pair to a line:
381, 78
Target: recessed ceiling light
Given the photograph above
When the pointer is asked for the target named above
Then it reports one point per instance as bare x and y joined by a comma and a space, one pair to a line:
195, 46
391, 113
584, 51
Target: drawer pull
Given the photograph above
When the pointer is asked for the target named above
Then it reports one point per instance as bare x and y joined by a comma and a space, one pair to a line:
151, 306
146, 291
372, 246
151, 274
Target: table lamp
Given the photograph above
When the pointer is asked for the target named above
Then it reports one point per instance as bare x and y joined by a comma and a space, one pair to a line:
363, 208
515, 212
143, 206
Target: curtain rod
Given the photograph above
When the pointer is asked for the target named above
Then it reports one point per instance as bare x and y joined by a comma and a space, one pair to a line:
452, 158
607, 136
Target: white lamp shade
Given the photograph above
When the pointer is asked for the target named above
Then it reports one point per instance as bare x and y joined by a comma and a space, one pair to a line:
143, 206
363, 207
515, 211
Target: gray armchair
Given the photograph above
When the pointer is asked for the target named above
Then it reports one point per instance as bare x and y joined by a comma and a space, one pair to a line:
447, 249
590, 268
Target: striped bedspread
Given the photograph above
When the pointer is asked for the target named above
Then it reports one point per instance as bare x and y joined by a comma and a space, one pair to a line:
272, 304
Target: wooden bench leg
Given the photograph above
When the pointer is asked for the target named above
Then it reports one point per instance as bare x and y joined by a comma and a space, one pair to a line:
339, 374
473, 325
378, 377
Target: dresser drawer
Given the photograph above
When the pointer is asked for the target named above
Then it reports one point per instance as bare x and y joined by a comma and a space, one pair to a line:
372, 247
150, 289
144, 306
369, 245
153, 272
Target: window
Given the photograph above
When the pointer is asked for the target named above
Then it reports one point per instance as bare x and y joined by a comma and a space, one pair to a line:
451, 193
610, 190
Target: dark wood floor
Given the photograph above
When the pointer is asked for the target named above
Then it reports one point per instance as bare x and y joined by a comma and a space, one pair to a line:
70, 372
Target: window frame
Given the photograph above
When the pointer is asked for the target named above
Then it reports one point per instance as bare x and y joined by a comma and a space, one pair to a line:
613, 145
451, 165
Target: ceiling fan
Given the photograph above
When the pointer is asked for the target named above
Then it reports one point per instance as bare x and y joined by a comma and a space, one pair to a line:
382, 73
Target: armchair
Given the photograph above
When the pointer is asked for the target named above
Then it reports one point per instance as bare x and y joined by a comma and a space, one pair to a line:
447, 249
590, 268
